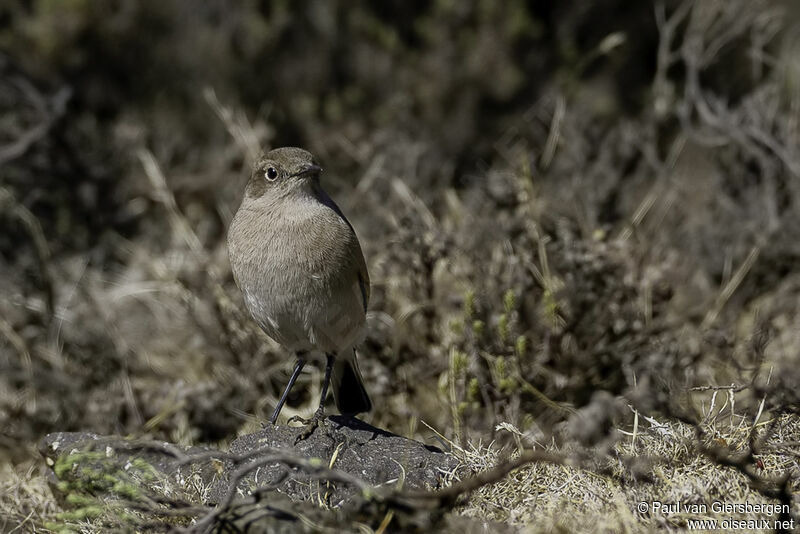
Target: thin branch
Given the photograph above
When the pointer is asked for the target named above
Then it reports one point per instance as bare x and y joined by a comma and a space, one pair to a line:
52, 111
33, 228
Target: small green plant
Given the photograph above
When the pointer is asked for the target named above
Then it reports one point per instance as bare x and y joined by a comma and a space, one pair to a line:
101, 491
486, 362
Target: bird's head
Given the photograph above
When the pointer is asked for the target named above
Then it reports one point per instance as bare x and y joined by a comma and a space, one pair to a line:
281, 172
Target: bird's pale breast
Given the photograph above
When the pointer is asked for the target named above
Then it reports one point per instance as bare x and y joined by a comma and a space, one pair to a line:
298, 267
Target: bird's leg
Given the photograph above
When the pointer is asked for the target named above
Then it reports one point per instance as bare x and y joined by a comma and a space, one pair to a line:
329, 359
297, 368
319, 415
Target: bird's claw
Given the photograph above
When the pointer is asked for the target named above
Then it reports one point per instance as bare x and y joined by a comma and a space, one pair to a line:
310, 424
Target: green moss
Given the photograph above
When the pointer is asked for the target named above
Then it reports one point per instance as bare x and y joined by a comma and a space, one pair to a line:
473, 389
551, 307
147, 472
78, 500
521, 345
500, 367
127, 490
60, 528
478, 327
507, 385
509, 301
84, 513
459, 362
456, 326
65, 464
502, 327
469, 304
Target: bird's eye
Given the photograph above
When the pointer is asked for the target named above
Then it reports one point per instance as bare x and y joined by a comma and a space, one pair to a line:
271, 174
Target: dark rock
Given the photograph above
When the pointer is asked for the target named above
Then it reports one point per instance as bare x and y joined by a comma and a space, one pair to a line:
377, 457
343, 474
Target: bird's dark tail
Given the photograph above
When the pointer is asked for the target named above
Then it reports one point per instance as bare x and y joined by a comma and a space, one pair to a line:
348, 387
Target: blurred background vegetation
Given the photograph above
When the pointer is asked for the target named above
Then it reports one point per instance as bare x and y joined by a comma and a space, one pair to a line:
564, 206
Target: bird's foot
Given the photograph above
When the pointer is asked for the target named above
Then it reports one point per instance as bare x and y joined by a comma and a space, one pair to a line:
310, 424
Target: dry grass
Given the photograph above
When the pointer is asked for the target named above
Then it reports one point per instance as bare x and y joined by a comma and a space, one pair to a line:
603, 497
26, 504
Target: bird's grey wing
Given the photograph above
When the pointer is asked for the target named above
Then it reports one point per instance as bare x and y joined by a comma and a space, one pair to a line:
356, 253
361, 273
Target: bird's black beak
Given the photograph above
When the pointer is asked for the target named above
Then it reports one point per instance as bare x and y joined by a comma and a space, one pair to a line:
308, 169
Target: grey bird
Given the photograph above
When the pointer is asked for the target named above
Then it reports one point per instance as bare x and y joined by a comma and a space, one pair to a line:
299, 265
